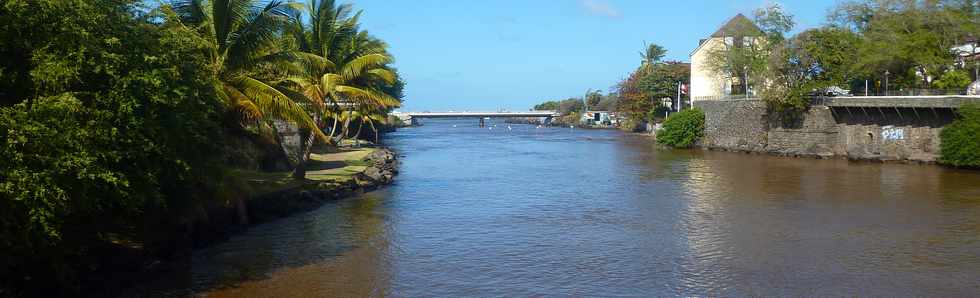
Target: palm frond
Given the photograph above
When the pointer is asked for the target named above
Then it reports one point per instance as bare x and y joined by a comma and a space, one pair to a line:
357, 66
277, 104
370, 97
384, 74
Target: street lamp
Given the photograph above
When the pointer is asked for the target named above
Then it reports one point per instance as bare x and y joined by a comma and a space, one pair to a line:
886, 82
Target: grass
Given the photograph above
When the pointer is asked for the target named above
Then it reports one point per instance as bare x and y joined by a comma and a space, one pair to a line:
338, 167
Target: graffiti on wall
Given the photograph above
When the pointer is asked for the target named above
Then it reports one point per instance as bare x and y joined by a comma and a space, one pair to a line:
891, 133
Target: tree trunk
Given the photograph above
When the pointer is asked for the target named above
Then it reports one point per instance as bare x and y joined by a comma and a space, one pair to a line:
346, 130
334, 128
308, 138
357, 136
375, 129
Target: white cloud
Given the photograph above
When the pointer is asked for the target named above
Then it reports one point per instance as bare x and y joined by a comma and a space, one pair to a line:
600, 7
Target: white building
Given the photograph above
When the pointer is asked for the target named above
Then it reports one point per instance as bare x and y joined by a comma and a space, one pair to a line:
708, 84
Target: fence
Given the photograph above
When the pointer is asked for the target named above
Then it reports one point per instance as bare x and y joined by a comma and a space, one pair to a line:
901, 92
726, 97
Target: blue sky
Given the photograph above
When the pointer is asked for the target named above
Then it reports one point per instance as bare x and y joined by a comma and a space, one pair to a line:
512, 54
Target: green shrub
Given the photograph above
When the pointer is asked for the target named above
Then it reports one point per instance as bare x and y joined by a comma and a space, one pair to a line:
960, 145
682, 129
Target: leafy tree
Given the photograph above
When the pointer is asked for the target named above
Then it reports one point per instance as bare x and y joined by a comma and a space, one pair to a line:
592, 98
644, 88
550, 105
743, 56
811, 60
918, 36
571, 105
954, 79
115, 134
608, 102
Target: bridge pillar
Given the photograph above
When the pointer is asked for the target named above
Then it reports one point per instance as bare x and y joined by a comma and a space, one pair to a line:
481, 122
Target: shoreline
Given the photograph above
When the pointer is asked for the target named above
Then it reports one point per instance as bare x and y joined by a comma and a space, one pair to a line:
652, 137
128, 268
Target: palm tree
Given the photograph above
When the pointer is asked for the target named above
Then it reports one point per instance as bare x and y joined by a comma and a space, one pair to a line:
344, 65
338, 66
243, 39
652, 53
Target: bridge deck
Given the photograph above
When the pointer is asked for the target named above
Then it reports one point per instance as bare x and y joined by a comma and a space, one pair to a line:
950, 101
481, 114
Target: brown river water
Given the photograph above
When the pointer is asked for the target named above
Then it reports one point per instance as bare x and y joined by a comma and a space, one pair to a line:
563, 212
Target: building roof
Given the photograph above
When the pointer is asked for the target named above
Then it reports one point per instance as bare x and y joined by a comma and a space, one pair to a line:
739, 25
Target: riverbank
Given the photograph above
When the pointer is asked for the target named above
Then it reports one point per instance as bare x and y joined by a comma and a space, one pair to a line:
260, 197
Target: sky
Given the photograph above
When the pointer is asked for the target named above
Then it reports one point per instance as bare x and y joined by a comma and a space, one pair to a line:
488, 55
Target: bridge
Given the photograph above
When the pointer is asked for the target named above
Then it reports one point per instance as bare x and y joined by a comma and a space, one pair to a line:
414, 116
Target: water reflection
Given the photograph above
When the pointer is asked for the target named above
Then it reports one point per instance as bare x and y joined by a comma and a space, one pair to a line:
557, 212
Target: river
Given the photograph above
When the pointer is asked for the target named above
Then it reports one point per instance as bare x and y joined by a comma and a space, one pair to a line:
533, 211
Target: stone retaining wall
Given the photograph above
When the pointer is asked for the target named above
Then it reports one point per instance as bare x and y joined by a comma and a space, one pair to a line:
858, 133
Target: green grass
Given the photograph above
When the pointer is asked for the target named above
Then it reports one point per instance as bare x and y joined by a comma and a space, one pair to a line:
330, 167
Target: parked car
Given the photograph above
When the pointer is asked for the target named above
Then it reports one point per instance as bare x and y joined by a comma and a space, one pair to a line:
832, 91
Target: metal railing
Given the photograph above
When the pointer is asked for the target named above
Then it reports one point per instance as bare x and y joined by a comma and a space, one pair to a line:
890, 93
726, 97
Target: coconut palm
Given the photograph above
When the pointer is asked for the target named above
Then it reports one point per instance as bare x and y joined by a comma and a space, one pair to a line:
243, 38
338, 67
369, 116
343, 65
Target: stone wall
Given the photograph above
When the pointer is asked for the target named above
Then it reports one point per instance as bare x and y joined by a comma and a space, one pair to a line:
859, 133
891, 133
734, 125
815, 134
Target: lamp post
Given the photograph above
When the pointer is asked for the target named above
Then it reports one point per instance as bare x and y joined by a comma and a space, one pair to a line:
886, 82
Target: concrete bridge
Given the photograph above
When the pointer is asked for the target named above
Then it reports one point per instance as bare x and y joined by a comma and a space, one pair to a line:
414, 116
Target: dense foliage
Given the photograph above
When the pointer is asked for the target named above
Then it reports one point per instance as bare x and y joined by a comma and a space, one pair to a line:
110, 128
682, 129
960, 145
114, 116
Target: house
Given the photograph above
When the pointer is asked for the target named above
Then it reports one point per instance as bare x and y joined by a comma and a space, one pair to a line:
600, 118
967, 52
707, 83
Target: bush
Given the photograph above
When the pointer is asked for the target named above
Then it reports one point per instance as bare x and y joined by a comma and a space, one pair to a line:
959, 144
682, 129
